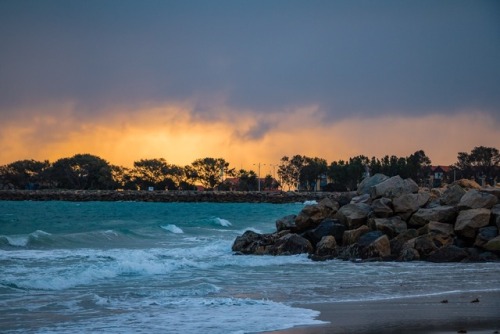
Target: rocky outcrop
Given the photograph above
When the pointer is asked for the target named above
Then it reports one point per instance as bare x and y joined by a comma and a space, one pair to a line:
396, 222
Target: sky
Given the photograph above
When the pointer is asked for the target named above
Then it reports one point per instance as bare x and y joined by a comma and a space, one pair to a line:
248, 81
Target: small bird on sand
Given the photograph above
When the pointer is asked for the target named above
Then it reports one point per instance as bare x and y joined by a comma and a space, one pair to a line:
475, 300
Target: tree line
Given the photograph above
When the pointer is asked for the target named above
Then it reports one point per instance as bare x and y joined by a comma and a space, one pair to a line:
87, 171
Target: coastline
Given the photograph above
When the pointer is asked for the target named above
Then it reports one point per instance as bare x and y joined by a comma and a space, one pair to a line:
414, 315
275, 197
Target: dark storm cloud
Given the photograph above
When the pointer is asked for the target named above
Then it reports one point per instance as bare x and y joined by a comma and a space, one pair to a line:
349, 58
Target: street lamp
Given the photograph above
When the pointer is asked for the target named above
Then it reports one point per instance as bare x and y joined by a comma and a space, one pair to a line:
258, 175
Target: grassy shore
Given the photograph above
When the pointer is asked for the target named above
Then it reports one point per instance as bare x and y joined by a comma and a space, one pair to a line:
465, 312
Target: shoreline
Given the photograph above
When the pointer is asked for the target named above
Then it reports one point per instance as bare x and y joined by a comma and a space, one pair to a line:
414, 315
274, 197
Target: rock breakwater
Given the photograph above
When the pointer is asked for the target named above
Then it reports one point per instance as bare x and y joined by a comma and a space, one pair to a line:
390, 219
166, 196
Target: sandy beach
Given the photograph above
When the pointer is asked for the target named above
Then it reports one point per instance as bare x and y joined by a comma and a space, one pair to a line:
465, 312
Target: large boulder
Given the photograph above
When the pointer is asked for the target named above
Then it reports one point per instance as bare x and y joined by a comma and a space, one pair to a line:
368, 182
470, 221
475, 199
452, 195
493, 245
353, 215
286, 223
311, 215
425, 245
495, 216
398, 243
327, 227
394, 187
485, 234
291, 244
442, 214
378, 248
253, 243
326, 248
352, 236
390, 226
405, 205
382, 207
449, 253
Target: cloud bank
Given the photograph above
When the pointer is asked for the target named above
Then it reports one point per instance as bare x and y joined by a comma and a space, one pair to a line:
253, 80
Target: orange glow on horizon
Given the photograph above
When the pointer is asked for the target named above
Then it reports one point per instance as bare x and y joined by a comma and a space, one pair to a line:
173, 133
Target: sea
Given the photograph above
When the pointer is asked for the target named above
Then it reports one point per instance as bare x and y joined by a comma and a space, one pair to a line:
138, 267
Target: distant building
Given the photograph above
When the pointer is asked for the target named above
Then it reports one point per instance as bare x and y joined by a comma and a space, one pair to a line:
441, 174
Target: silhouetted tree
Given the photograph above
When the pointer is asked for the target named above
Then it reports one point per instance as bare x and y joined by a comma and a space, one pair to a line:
481, 162
25, 174
210, 171
289, 170
312, 171
82, 171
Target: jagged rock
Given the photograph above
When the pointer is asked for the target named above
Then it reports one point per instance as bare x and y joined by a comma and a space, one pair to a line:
365, 198
399, 241
286, 223
353, 215
326, 248
441, 234
326, 227
452, 195
390, 226
425, 245
352, 236
493, 245
409, 254
311, 215
291, 244
467, 184
382, 207
367, 238
407, 204
367, 183
495, 216
469, 221
330, 206
475, 199
449, 253
378, 248
254, 243
394, 187
485, 234
492, 191
442, 214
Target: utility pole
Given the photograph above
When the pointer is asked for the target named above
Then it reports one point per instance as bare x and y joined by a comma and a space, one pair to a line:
258, 175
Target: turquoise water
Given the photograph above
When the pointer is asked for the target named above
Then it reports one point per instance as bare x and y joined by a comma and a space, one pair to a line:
120, 267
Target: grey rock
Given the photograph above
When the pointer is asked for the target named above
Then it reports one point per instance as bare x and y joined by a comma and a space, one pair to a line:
475, 199
452, 195
390, 226
286, 223
485, 234
394, 187
353, 215
352, 236
469, 221
442, 214
382, 207
367, 183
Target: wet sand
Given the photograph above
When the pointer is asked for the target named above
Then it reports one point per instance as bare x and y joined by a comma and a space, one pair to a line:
430, 314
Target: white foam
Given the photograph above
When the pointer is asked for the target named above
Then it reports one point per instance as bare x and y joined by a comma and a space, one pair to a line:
313, 202
172, 228
223, 222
